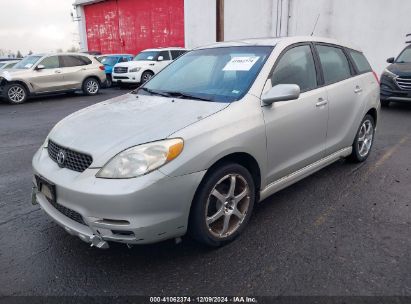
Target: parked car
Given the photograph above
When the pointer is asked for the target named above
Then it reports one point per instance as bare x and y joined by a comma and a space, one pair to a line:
8, 64
194, 148
110, 60
396, 79
51, 73
145, 65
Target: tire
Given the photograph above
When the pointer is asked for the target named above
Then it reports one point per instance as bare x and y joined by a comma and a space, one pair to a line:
15, 93
91, 86
219, 212
146, 76
364, 140
109, 81
385, 103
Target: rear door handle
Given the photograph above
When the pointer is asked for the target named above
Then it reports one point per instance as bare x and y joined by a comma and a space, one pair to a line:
321, 102
357, 90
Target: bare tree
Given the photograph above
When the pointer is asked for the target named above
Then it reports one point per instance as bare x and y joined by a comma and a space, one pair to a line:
73, 49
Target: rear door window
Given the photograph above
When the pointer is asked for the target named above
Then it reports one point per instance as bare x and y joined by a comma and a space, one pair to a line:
334, 64
360, 61
75, 60
296, 66
176, 53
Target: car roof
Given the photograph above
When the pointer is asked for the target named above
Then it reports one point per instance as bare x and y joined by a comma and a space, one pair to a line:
10, 61
273, 41
107, 55
63, 54
165, 49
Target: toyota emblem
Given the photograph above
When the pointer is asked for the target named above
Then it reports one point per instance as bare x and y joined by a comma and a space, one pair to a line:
61, 158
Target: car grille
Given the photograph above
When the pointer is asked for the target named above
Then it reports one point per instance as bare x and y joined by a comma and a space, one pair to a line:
120, 70
75, 161
71, 214
404, 83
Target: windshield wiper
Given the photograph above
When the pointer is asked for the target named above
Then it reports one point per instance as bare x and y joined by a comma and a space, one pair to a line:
152, 92
187, 96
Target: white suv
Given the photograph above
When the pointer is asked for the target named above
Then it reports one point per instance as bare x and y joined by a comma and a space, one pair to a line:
145, 65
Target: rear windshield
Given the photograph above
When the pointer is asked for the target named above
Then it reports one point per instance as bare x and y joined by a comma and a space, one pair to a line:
360, 61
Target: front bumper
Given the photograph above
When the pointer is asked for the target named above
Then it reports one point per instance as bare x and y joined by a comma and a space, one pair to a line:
141, 210
390, 91
127, 77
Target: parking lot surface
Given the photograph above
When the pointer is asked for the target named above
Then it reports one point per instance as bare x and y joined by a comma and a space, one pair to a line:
345, 230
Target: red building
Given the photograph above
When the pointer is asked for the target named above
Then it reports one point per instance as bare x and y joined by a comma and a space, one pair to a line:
129, 26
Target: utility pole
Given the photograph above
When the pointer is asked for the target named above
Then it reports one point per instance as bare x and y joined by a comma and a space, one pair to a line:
220, 20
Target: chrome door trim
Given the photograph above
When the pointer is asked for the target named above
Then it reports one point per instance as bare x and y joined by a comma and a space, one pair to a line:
302, 173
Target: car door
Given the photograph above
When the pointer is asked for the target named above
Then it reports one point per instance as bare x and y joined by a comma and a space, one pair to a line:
74, 70
296, 130
48, 78
344, 94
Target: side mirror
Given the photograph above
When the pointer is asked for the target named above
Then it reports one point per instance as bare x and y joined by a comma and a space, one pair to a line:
281, 92
40, 67
391, 60
160, 58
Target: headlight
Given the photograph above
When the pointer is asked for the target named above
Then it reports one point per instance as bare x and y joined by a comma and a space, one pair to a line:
142, 159
389, 73
133, 70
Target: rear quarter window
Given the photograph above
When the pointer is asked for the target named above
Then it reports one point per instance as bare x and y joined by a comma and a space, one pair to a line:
360, 61
75, 60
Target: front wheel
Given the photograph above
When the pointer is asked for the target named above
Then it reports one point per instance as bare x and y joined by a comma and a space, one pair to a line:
363, 140
146, 76
16, 93
91, 86
109, 81
223, 205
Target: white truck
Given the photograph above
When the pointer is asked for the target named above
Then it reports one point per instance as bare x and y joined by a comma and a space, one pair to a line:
145, 65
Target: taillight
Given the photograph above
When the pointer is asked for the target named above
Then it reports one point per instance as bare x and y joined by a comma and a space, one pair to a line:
376, 77
101, 67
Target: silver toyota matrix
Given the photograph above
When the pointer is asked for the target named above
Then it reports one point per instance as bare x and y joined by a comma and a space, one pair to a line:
193, 149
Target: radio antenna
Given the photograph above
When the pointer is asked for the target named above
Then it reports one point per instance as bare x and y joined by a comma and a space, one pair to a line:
315, 26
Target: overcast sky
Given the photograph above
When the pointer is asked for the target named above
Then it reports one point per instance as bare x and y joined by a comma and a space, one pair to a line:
37, 25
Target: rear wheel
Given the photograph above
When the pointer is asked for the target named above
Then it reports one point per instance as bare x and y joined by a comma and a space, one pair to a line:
91, 86
364, 139
146, 76
223, 205
15, 93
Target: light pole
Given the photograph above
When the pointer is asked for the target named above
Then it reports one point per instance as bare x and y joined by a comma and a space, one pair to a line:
220, 20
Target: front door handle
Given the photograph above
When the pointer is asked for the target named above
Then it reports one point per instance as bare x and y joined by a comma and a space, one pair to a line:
57, 71
357, 90
321, 102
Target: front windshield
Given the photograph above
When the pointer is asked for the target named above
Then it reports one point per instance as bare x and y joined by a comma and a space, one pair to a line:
405, 56
150, 56
217, 74
108, 60
27, 62
2, 64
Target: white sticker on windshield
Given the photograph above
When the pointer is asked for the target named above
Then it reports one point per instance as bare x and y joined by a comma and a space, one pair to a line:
28, 65
240, 63
150, 57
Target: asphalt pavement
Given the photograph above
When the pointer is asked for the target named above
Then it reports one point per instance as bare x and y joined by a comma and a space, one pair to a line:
343, 231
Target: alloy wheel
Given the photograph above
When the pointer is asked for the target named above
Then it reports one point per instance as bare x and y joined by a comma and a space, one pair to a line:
227, 205
365, 138
92, 86
16, 94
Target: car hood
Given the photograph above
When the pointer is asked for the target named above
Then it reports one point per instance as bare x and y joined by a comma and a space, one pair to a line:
400, 69
107, 128
134, 64
11, 74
